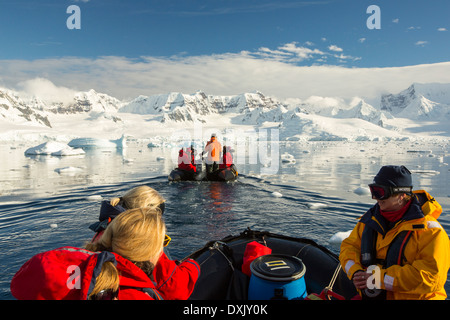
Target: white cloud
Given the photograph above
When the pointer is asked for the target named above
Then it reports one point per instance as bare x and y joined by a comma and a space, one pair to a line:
223, 74
335, 48
442, 29
300, 52
289, 53
396, 20
421, 43
362, 40
343, 57
44, 88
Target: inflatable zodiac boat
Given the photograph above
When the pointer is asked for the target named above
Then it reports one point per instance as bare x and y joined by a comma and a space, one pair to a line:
287, 268
225, 174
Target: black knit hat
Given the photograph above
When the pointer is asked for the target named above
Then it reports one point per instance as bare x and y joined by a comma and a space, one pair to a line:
394, 176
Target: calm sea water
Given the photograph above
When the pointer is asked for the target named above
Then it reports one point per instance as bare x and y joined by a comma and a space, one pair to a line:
42, 207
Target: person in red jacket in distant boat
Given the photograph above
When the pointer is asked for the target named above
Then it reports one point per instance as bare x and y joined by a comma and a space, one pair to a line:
227, 158
186, 160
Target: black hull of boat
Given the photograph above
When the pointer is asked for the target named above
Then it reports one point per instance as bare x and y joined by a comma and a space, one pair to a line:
184, 175
220, 261
227, 174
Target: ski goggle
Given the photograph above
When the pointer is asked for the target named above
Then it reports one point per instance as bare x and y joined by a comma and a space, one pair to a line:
380, 192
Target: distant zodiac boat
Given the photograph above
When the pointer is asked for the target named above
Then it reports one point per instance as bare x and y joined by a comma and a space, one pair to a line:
225, 174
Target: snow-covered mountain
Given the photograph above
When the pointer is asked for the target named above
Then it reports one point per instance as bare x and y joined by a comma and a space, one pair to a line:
328, 118
82, 102
176, 107
14, 110
419, 101
36, 111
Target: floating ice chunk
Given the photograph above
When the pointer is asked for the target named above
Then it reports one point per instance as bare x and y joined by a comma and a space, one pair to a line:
277, 194
426, 172
94, 198
68, 170
287, 158
338, 237
154, 145
419, 151
316, 205
362, 191
53, 225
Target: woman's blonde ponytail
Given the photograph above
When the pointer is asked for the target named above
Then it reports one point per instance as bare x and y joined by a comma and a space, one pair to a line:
114, 201
108, 279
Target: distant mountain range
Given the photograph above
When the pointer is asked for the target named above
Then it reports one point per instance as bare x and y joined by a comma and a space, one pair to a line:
418, 102
192, 107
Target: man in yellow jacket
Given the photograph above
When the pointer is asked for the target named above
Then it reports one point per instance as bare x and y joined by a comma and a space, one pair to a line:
398, 250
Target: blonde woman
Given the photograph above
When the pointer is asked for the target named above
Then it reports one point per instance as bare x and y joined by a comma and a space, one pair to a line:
118, 266
138, 236
167, 272
138, 197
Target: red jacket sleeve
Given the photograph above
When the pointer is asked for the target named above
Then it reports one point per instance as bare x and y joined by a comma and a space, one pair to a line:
175, 282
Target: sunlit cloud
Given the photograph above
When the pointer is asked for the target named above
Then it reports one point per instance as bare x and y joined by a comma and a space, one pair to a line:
221, 74
335, 48
44, 88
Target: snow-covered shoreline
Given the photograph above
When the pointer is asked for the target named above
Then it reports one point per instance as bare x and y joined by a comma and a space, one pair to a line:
421, 112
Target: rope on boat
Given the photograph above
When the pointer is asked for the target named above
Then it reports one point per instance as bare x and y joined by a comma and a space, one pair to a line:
334, 277
327, 292
217, 247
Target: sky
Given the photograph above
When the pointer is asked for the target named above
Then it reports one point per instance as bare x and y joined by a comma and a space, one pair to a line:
283, 48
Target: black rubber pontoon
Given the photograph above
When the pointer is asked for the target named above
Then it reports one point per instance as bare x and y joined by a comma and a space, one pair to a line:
220, 261
178, 174
226, 174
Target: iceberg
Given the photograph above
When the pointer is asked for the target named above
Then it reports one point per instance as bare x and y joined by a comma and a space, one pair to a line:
98, 143
54, 149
